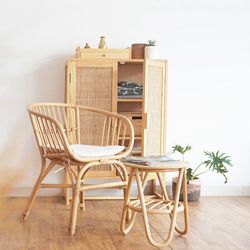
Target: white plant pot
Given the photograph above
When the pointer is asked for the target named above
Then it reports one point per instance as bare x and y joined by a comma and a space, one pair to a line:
150, 52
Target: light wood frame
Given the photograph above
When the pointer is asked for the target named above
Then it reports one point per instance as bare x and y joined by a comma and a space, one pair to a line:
159, 205
56, 126
152, 74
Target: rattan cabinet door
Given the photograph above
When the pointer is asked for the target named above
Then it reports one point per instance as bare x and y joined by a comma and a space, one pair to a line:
91, 84
154, 107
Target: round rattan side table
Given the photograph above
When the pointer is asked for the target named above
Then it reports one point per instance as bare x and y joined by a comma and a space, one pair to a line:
156, 205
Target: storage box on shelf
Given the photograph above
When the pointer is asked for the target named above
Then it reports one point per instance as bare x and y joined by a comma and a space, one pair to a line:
93, 81
103, 53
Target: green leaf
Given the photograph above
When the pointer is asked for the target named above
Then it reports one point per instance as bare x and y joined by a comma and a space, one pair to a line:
189, 174
151, 42
218, 162
181, 149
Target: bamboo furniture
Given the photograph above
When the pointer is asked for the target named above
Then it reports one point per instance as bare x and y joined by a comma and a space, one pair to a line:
159, 205
92, 80
58, 129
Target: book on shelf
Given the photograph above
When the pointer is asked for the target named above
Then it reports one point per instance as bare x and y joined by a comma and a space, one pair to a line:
148, 160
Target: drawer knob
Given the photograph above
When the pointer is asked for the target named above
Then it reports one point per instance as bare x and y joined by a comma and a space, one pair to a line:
103, 55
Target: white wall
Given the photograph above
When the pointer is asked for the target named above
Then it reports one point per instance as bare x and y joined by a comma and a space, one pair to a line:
207, 44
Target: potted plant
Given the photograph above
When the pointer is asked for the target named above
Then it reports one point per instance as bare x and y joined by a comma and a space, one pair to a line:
215, 162
150, 49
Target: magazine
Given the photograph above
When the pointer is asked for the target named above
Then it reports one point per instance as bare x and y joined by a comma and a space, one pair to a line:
148, 160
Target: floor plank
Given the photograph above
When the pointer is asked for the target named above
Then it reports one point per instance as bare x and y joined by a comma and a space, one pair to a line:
215, 223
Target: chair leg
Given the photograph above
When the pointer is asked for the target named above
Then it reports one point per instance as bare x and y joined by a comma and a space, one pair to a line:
81, 200
43, 174
74, 207
76, 196
81, 194
66, 190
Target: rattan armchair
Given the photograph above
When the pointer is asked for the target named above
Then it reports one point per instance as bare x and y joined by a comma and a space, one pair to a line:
59, 130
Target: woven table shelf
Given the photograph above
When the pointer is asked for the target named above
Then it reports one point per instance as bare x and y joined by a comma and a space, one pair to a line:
155, 206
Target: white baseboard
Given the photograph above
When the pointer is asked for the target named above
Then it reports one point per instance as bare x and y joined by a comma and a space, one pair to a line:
223, 190
25, 191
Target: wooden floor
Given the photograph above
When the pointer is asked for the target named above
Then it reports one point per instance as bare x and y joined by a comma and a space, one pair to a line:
215, 223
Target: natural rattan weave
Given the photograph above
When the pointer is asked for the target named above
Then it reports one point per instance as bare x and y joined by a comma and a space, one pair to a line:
161, 204
154, 106
95, 82
56, 126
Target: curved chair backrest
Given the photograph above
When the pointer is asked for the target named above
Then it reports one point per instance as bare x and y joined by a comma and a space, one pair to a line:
57, 125
49, 130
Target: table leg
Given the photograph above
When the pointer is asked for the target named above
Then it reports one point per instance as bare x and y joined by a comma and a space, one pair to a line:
125, 229
185, 204
163, 187
125, 210
144, 210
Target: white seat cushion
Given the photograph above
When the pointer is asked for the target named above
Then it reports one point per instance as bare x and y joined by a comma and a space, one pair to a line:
85, 151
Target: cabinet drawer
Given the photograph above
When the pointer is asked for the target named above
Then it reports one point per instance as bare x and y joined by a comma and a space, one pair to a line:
103, 53
136, 121
137, 126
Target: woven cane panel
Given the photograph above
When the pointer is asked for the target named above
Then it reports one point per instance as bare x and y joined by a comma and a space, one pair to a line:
91, 125
94, 89
154, 99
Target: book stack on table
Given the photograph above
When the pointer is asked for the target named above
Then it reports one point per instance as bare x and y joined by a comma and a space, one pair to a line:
149, 160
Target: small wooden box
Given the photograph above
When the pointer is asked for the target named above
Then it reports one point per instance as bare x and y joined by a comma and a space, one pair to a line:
136, 121
119, 54
138, 50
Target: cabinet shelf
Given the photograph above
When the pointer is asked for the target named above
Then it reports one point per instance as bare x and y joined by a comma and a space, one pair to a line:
131, 113
130, 100
131, 61
136, 137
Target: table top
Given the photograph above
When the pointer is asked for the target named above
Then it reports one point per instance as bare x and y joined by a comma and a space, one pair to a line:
158, 165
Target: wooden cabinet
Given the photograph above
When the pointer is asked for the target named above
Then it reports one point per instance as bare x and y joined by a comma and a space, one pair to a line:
93, 82
154, 108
